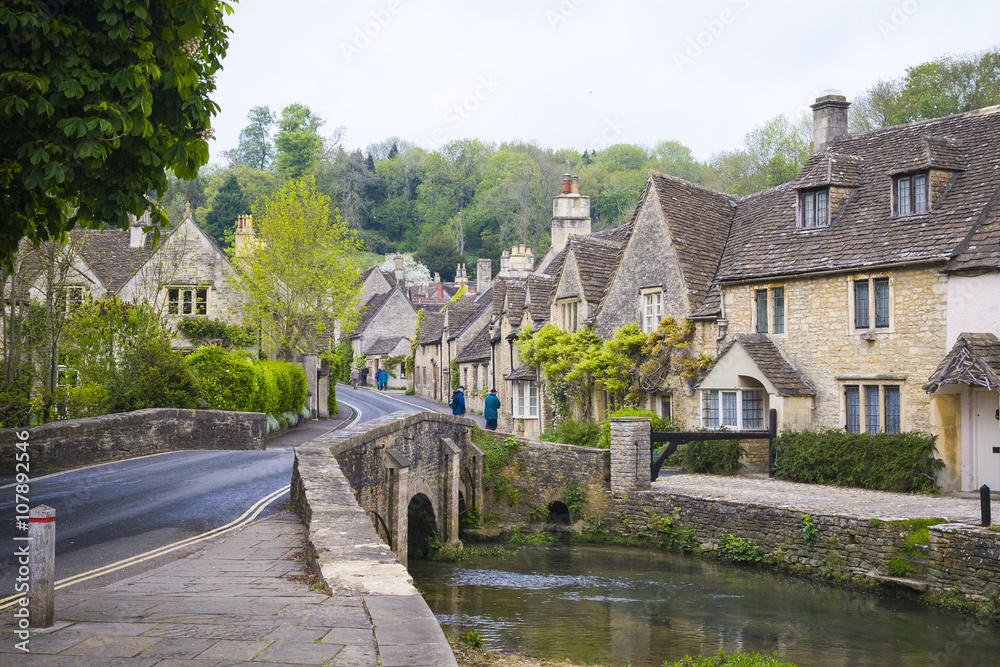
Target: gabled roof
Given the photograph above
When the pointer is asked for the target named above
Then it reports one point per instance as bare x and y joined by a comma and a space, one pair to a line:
974, 360
830, 168
765, 242
522, 372
108, 255
772, 363
981, 251
431, 328
383, 346
480, 303
539, 291
699, 221
595, 261
390, 276
515, 296
478, 349
932, 153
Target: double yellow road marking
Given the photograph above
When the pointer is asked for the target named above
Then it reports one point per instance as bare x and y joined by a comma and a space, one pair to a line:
243, 520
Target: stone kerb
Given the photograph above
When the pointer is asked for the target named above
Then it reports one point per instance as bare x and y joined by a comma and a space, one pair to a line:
76, 442
630, 454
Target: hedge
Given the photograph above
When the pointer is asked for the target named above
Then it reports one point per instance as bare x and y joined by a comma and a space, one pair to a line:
232, 382
902, 462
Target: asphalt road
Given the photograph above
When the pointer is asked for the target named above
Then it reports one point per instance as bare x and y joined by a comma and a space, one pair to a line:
111, 512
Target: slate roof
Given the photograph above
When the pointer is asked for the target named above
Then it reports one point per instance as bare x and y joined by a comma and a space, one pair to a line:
699, 222
515, 296
982, 250
481, 302
431, 328
384, 346
390, 276
775, 366
540, 290
478, 349
595, 261
459, 313
830, 169
522, 372
765, 242
109, 256
974, 360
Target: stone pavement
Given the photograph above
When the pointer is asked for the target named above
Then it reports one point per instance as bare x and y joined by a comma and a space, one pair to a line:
242, 600
822, 499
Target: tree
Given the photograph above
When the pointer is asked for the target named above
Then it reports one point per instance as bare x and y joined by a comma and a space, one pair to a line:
879, 106
440, 255
298, 142
256, 149
96, 103
229, 203
302, 272
772, 154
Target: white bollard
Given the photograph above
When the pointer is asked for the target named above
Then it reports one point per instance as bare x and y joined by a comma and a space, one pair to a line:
42, 561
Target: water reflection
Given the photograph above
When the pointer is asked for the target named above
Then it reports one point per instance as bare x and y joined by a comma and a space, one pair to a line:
613, 604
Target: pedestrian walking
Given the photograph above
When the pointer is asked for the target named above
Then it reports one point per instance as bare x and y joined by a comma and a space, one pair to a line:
491, 410
364, 376
457, 402
355, 376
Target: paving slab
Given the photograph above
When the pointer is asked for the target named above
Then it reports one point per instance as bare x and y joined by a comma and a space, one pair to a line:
227, 606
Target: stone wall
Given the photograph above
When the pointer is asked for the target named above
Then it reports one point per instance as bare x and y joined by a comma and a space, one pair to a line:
820, 339
78, 442
965, 557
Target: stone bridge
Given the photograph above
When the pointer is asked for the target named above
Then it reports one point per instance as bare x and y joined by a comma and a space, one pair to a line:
412, 473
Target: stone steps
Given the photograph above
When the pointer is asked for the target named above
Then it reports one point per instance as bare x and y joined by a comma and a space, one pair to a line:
903, 582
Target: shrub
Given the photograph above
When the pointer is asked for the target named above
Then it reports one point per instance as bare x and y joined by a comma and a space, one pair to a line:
88, 400
228, 382
331, 399
714, 457
731, 660
291, 381
213, 331
268, 397
573, 432
902, 462
741, 550
151, 375
272, 423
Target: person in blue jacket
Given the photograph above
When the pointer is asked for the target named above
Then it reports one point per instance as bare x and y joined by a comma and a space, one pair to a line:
457, 402
491, 410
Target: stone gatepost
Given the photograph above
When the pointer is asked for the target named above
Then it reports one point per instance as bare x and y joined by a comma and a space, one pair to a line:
630, 454
449, 473
397, 515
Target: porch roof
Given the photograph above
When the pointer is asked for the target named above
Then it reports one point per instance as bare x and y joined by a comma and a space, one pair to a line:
974, 360
771, 362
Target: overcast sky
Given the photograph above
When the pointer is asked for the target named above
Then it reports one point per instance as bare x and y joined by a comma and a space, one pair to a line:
575, 73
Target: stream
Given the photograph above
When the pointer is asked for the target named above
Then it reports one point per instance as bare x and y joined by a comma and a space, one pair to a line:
602, 604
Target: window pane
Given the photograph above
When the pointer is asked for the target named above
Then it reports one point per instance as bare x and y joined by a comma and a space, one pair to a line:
729, 409
648, 322
659, 309
710, 408
920, 193
753, 410
808, 210
761, 298
173, 301
881, 302
778, 304
853, 405
532, 399
186, 309
666, 407
202, 303
903, 191
861, 304
892, 417
872, 420
821, 209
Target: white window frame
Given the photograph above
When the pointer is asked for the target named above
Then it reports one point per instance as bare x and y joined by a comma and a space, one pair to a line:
862, 387
72, 297
183, 307
662, 404
651, 309
717, 399
524, 399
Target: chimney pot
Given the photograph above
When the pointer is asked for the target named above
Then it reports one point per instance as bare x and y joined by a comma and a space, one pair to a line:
574, 186
566, 184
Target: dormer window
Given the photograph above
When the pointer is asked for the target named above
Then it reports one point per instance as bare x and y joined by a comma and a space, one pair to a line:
814, 208
910, 194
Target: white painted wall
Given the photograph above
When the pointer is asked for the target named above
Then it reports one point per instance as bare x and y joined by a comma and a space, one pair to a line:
973, 306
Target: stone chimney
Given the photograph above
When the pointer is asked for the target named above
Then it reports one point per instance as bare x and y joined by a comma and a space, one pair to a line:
504, 265
440, 285
460, 274
829, 120
570, 213
484, 274
137, 237
400, 280
520, 263
244, 235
